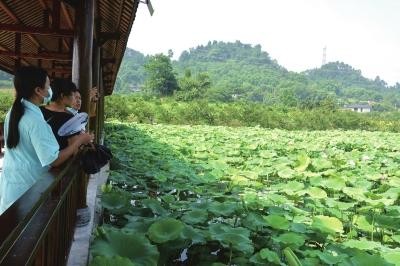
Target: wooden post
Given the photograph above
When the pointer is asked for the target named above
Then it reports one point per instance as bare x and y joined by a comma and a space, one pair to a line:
100, 108
82, 67
96, 78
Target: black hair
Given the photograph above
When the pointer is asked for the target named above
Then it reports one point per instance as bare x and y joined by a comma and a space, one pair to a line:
26, 80
62, 87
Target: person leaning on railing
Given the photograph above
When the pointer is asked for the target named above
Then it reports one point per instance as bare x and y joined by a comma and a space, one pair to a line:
56, 113
31, 148
77, 102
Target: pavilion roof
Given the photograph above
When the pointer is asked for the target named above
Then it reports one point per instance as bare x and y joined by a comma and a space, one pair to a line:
40, 32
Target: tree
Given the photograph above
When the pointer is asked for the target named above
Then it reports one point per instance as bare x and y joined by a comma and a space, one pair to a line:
161, 78
191, 88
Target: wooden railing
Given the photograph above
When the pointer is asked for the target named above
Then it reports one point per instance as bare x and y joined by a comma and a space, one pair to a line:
38, 228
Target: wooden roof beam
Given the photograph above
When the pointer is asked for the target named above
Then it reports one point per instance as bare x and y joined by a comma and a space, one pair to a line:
108, 73
107, 36
59, 70
67, 15
43, 4
35, 30
72, 3
44, 55
108, 61
8, 11
56, 14
5, 49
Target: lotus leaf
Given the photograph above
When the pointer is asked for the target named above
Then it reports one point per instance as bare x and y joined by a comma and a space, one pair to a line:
362, 244
320, 164
317, 193
363, 224
254, 221
197, 236
165, 230
303, 161
293, 240
155, 206
224, 209
265, 255
286, 173
330, 258
368, 260
277, 222
105, 261
396, 238
326, 224
116, 201
239, 242
195, 216
134, 246
392, 256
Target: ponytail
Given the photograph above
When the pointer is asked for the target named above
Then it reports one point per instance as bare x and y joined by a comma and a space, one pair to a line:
26, 80
17, 110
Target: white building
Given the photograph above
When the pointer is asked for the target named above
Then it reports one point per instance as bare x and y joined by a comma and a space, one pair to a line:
360, 108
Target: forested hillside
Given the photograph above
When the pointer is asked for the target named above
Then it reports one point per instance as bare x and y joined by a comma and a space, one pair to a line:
242, 71
227, 72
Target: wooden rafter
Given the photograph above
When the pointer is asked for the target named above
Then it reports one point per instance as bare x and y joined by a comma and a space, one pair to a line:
56, 15
43, 4
67, 15
5, 49
108, 61
106, 36
35, 30
43, 55
60, 70
8, 11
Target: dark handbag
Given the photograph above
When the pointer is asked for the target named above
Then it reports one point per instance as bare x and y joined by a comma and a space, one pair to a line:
94, 157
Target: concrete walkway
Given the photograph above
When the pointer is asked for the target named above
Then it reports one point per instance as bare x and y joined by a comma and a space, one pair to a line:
79, 253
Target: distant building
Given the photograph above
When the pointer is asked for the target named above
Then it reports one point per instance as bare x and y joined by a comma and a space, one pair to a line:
360, 108
135, 88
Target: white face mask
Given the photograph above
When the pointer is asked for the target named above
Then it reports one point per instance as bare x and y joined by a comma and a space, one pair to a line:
47, 99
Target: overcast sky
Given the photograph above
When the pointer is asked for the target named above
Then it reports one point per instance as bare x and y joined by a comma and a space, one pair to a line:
362, 33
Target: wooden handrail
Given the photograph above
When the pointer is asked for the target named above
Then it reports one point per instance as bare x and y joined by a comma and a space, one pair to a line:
38, 228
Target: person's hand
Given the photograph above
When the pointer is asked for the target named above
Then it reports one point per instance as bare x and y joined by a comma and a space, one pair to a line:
94, 94
85, 138
79, 140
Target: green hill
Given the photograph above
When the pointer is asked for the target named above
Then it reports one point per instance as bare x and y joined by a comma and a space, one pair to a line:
243, 71
240, 71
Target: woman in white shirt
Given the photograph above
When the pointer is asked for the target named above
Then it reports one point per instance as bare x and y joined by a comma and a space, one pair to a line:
31, 148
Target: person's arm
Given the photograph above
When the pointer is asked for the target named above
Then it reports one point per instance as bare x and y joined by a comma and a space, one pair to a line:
94, 96
66, 153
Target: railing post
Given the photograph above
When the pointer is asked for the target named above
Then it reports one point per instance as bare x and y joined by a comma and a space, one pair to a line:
96, 79
82, 69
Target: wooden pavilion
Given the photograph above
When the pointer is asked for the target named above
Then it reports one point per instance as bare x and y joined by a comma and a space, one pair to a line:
82, 39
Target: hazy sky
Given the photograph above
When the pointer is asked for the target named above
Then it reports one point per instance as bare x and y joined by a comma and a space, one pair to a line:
362, 33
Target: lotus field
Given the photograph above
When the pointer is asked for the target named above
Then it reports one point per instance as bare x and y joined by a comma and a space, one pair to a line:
202, 195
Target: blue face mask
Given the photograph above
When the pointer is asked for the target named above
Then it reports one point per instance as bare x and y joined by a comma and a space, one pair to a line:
47, 99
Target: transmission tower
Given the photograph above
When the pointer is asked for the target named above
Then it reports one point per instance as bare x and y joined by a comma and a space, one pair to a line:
324, 56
